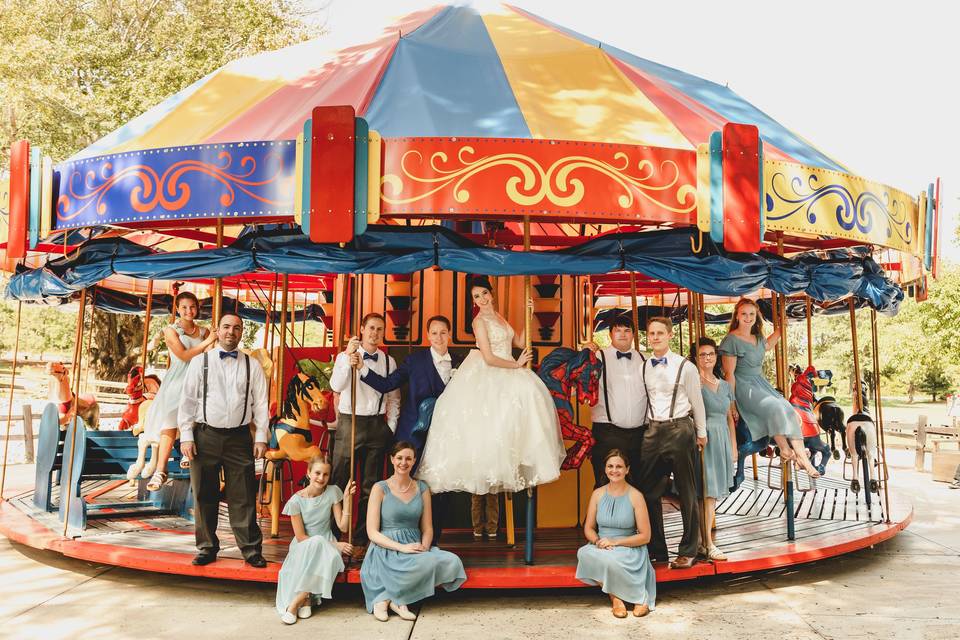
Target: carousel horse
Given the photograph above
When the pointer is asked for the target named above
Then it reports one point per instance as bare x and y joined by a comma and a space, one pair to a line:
85, 406
140, 392
564, 370
828, 413
861, 442
803, 400
290, 431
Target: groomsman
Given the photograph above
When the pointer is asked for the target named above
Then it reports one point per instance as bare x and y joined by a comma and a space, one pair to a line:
223, 392
427, 371
618, 416
676, 429
376, 415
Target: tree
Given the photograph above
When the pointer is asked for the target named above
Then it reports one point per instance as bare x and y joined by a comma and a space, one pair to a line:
71, 71
935, 382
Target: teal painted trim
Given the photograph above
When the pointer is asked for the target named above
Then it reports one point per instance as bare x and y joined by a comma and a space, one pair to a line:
362, 155
716, 187
307, 150
36, 159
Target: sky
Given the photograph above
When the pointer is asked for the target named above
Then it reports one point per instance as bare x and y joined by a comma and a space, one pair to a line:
872, 84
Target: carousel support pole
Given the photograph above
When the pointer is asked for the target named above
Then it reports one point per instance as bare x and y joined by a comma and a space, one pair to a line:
218, 282
268, 325
13, 384
857, 390
146, 330
353, 401
787, 470
528, 338
275, 495
303, 327
876, 387
809, 302
634, 311
77, 350
86, 369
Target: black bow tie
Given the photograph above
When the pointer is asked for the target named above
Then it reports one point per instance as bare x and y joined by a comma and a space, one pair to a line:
624, 354
228, 354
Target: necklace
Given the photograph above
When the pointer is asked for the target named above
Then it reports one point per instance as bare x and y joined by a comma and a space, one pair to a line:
711, 381
409, 486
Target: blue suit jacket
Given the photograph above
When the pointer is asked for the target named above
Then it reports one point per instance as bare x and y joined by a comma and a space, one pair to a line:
419, 371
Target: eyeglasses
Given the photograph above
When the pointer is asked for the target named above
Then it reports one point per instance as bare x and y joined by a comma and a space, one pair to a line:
710, 354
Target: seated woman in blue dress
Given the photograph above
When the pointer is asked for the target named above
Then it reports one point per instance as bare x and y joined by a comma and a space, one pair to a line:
401, 567
314, 557
617, 530
764, 409
720, 454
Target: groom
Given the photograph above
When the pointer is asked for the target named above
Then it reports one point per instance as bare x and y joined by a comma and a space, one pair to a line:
427, 371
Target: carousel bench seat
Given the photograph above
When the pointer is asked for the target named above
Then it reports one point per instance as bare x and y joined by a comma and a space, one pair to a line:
99, 455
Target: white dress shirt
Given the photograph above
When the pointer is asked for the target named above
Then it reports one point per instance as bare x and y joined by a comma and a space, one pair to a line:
226, 383
660, 382
370, 402
444, 365
624, 386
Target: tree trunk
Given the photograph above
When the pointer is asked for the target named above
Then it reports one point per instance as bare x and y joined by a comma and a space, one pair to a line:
115, 342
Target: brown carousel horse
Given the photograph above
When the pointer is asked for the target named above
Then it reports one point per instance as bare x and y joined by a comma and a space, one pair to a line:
291, 438
85, 406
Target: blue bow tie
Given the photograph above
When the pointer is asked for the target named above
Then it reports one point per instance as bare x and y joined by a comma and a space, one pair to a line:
228, 354
372, 356
655, 361
624, 354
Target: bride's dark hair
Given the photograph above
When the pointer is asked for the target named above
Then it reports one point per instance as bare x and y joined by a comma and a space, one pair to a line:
481, 281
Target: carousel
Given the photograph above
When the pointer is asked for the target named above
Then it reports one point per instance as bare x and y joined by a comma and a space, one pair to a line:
325, 181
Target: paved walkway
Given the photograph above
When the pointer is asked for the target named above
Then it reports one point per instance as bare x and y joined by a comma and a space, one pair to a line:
904, 588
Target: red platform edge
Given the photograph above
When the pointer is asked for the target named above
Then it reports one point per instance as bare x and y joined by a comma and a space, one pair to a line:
20, 528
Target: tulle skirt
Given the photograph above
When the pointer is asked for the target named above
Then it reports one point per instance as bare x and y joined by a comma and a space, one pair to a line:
493, 430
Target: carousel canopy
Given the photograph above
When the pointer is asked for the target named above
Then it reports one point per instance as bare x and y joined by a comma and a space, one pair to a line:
480, 71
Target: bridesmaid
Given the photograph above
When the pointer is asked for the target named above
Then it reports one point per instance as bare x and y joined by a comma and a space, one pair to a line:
764, 409
720, 454
401, 567
314, 557
185, 340
617, 530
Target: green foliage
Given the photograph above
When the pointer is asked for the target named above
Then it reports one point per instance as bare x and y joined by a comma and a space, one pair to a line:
73, 70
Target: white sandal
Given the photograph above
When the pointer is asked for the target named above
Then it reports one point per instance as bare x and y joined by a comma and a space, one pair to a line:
380, 611
157, 480
716, 554
402, 611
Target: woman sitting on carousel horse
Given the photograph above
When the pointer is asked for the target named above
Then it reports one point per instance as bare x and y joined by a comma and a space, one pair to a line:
764, 410
185, 340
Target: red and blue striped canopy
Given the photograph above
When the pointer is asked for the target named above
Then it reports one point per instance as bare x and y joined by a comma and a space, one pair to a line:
458, 71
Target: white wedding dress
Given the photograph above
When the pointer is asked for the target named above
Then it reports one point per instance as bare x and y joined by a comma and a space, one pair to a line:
493, 429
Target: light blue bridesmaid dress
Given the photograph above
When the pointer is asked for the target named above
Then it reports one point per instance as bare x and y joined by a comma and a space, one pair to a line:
718, 456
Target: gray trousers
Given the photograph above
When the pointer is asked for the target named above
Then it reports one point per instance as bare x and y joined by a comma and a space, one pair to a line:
229, 450
373, 439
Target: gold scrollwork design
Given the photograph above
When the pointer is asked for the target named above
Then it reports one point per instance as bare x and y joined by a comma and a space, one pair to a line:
533, 183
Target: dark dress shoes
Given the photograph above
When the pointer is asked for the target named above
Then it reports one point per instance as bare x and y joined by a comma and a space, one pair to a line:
257, 561
202, 559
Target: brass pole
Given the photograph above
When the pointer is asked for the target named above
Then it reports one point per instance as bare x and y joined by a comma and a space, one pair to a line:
857, 402
283, 340
809, 332
876, 386
635, 311
13, 383
303, 327
218, 282
340, 333
85, 370
353, 402
146, 329
77, 350
268, 326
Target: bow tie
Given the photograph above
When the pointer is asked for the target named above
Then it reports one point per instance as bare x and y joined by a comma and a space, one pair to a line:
655, 361
444, 358
371, 356
624, 354
228, 354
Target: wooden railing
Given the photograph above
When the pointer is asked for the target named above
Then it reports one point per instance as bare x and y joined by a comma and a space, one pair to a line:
28, 435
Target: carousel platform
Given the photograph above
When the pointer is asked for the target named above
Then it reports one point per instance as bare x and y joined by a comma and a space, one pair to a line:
751, 528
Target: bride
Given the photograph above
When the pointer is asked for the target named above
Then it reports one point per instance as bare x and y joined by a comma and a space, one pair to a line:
495, 426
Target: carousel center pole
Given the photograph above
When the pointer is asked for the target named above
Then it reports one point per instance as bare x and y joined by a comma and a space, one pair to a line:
809, 305
13, 383
276, 472
634, 311
353, 401
77, 350
146, 331
528, 339
879, 404
218, 282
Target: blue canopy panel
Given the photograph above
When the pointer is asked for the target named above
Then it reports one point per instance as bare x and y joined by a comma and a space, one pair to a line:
662, 255
446, 79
